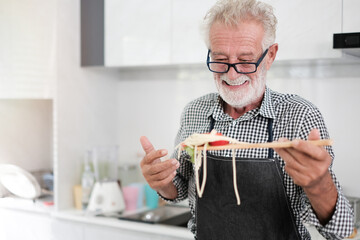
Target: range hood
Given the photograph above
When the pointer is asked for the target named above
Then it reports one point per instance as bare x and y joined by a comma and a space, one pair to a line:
349, 42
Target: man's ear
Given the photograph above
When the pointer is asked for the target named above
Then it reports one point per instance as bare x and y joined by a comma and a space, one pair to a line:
271, 55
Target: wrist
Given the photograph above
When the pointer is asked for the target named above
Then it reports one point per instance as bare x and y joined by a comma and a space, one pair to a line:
169, 191
322, 187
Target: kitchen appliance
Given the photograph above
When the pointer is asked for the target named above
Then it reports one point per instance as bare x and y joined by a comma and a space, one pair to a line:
349, 42
168, 214
19, 182
106, 197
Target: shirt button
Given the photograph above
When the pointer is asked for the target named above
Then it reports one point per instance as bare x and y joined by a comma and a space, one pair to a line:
233, 123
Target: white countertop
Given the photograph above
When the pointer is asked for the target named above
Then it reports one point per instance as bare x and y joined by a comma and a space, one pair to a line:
166, 230
36, 206
40, 207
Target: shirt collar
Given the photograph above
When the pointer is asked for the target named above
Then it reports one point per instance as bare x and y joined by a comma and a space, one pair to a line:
266, 108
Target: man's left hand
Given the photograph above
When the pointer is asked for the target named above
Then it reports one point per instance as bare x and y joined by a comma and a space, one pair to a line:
306, 163
308, 166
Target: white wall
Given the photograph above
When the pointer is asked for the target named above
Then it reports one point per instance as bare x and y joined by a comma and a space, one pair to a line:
26, 133
150, 103
27, 49
86, 104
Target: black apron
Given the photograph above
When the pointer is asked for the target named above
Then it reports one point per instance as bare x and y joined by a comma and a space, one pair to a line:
264, 212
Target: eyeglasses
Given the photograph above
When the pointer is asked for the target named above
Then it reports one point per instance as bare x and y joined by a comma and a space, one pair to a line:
241, 67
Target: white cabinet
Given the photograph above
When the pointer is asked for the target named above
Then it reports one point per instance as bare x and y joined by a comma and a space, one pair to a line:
188, 44
351, 16
67, 230
109, 233
16, 225
305, 28
137, 32
161, 32
90, 229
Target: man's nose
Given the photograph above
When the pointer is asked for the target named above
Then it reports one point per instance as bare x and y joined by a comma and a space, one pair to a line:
232, 74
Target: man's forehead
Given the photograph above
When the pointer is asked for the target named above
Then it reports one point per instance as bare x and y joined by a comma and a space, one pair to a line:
243, 40
241, 53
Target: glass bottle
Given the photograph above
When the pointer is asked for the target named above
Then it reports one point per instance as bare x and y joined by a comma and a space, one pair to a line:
87, 181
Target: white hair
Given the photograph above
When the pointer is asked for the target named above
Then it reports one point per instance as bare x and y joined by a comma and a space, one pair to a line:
232, 12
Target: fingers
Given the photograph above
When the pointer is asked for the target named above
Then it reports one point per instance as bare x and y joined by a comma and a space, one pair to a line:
152, 155
146, 144
164, 167
303, 148
314, 134
157, 185
305, 163
161, 173
158, 174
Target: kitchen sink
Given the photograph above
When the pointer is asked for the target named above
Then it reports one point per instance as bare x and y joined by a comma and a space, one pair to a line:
168, 215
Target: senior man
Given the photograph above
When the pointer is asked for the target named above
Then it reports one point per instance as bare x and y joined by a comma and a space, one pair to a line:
281, 190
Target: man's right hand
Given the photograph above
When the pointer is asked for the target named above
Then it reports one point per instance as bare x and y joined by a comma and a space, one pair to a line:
158, 174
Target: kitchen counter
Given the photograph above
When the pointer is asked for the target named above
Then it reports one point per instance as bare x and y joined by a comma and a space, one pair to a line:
158, 229
44, 205
131, 227
77, 219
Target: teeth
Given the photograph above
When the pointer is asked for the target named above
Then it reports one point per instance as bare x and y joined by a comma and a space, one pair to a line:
235, 83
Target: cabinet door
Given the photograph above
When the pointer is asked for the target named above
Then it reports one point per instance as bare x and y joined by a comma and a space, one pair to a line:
305, 28
137, 32
351, 16
69, 230
188, 44
16, 225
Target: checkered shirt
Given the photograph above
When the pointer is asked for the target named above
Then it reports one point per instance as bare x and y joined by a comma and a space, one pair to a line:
293, 118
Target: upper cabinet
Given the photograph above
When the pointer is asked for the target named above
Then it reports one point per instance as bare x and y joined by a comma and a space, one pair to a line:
351, 17
188, 44
137, 32
163, 32
305, 28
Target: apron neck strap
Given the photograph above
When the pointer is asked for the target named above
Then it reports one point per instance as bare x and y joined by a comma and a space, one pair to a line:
270, 138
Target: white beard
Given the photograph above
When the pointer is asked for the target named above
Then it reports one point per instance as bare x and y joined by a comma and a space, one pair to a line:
246, 96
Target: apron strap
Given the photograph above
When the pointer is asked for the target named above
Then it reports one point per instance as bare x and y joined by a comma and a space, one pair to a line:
270, 138
212, 123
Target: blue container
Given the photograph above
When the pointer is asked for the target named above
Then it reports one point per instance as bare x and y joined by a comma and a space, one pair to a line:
152, 198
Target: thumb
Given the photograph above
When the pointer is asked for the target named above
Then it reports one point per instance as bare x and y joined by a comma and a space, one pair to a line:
146, 144
314, 134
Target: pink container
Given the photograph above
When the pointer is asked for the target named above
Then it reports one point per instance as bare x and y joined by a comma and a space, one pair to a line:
131, 194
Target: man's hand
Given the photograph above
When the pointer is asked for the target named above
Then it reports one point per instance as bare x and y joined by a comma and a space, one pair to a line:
158, 174
308, 166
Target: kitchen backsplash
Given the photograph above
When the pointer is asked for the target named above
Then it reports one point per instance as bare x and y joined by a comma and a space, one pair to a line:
26, 133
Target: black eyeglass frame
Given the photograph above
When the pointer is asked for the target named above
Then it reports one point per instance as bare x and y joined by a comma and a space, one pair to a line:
234, 64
